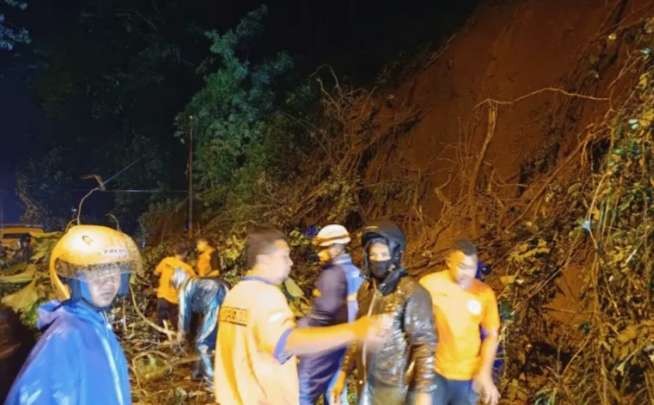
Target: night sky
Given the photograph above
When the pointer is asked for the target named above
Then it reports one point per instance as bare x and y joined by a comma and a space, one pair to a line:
356, 37
22, 119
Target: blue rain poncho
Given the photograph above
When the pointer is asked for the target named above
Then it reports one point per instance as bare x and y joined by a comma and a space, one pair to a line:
202, 296
78, 360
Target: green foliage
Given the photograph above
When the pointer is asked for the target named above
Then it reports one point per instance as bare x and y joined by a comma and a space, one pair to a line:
28, 284
228, 116
10, 36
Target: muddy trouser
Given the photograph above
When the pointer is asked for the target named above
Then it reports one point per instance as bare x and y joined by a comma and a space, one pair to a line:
453, 392
166, 311
381, 394
318, 375
205, 342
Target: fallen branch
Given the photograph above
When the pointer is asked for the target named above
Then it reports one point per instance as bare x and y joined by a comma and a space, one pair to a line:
543, 90
169, 333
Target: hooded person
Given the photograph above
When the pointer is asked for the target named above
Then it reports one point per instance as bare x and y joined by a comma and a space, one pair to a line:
203, 297
78, 359
334, 302
401, 370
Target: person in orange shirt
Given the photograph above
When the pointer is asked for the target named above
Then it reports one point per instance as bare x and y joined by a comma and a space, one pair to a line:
463, 307
208, 264
258, 340
167, 293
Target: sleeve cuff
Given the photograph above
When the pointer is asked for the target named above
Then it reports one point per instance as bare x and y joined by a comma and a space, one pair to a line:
281, 356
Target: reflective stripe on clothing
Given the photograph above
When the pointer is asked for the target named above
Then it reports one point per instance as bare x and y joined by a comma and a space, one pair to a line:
251, 365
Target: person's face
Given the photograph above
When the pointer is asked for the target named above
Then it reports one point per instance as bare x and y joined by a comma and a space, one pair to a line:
462, 268
379, 252
201, 245
326, 254
103, 286
278, 262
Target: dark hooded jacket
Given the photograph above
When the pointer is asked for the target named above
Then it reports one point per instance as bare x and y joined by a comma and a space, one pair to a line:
405, 360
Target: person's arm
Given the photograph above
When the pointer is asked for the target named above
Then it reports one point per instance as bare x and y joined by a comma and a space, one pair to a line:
343, 372
302, 341
278, 335
329, 296
484, 378
488, 352
421, 333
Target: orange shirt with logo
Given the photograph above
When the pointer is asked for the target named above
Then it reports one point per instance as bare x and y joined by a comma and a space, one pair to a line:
165, 270
459, 314
251, 366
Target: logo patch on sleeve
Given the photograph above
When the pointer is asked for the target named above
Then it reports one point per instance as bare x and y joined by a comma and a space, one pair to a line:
236, 316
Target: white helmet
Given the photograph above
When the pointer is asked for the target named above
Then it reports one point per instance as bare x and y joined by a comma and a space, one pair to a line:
331, 235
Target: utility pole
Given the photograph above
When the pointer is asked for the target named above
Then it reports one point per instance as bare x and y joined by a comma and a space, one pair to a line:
190, 180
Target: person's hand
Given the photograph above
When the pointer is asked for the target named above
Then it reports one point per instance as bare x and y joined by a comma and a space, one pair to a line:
372, 330
337, 389
483, 384
423, 398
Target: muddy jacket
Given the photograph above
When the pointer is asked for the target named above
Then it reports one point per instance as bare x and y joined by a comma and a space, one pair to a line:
405, 361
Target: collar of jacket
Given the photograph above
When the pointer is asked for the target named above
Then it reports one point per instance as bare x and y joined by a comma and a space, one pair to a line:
341, 259
390, 282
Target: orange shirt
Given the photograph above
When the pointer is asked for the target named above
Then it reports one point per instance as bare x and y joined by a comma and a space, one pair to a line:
204, 264
165, 270
251, 367
459, 314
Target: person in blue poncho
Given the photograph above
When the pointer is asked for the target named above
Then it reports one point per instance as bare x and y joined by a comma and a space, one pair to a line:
202, 296
78, 359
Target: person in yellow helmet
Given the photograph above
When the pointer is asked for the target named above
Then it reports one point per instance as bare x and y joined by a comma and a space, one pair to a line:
167, 300
78, 359
208, 264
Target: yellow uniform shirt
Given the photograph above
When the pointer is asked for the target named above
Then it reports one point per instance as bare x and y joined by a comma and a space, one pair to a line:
459, 314
165, 270
204, 264
251, 367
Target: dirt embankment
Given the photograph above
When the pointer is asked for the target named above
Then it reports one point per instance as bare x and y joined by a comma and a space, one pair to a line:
527, 53
508, 96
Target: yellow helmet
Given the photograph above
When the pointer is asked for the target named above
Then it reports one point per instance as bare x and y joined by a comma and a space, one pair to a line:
90, 248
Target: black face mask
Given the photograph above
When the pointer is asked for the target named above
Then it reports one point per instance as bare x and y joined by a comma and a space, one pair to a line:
380, 270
